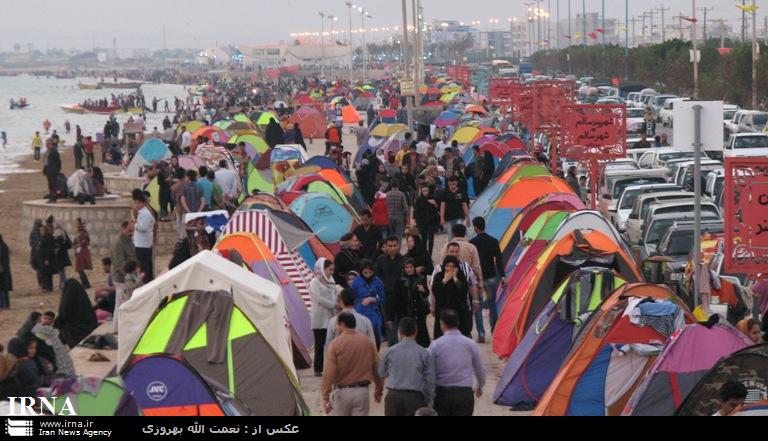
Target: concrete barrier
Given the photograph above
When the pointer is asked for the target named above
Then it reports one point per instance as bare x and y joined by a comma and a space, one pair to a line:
120, 184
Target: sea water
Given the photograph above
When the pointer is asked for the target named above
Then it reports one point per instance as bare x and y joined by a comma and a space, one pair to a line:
46, 95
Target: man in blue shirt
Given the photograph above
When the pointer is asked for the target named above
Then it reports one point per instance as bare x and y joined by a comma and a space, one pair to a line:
206, 187
410, 370
457, 359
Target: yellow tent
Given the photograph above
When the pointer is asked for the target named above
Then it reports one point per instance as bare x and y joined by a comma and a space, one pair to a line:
465, 135
191, 126
388, 130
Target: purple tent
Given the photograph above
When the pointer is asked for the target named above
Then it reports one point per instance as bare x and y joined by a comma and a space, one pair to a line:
688, 355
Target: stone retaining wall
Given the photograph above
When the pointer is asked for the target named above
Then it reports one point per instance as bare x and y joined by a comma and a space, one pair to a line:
120, 184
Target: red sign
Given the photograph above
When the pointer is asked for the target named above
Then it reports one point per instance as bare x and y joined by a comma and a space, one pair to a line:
593, 132
522, 105
502, 90
746, 215
549, 98
461, 74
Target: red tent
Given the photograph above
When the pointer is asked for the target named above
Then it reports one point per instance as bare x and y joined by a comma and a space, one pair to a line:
311, 122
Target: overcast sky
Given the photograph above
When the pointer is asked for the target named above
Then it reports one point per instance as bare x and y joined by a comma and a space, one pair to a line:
202, 23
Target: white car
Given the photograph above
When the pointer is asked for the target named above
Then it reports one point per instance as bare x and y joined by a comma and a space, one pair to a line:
658, 157
747, 145
635, 120
630, 195
667, 113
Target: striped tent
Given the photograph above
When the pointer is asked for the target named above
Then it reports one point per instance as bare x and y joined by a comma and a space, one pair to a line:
282, 239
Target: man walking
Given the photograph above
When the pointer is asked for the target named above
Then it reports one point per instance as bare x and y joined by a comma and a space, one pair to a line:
363, 325
454, 208
397, 209
411, 372
492, 266
457, 360
351, 365
369, 235
37, 144
389, 268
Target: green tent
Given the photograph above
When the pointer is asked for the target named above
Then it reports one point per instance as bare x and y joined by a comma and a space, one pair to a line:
546, 226
104, 402
265, 118
255, 141
203, 326
241, 117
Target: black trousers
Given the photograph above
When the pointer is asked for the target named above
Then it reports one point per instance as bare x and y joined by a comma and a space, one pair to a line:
78, 162
319, 348
454, 401
52, 188
89, 160
144, 256
403, 402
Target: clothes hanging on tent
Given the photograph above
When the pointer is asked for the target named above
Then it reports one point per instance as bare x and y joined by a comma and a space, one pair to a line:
202, 308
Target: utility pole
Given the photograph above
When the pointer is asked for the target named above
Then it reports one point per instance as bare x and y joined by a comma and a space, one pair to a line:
754, 55
603, 12
743, 22
705, 9
651, 13
322, 43
416, 51
722, 33
634, 21
584, 21
662, 9
557, 28
643, 39
351, 50
680, 25
406, 55
694, 39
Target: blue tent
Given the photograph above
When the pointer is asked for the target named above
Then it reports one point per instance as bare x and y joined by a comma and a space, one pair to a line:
324, 215
151, 151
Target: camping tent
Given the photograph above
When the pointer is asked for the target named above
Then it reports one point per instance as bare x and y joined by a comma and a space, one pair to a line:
687, 357
152, 150
259, 259
748, 366
349, 115
212, 133
260, 300
168, 386
611, 353
326, 217
531, 285
311, 122
486, 202
535, 362
100, 397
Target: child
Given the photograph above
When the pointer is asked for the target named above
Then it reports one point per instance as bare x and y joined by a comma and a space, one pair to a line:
50, 336
134, 278
380, 211
732, 396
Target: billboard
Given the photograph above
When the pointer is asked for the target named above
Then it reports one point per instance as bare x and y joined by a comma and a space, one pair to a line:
593, 132
746, 215
711, 125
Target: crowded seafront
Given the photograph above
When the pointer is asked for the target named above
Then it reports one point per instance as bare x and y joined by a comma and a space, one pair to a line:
451, 234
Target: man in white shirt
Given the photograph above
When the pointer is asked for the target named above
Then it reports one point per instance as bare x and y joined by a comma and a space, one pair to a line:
227, 181
441, 146
186, 139
144, 235
421, 147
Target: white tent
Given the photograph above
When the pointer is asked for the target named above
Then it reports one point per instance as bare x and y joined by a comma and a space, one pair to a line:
259, 299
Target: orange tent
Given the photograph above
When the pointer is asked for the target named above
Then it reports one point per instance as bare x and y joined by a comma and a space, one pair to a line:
349, 115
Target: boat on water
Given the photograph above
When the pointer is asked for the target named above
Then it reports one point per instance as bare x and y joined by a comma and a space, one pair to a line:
72, 108
119, 85
89, 86
22, 103
80, 108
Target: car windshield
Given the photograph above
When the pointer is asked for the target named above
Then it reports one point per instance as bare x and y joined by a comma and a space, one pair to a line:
751, 142
681, 243
657, 230
635, 113
618, 189
719, 185
729, 114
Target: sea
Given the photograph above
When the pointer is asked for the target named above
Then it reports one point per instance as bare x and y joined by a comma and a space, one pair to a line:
46, 96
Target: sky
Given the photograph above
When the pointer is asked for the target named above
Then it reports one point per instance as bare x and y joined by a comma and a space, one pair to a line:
83, 24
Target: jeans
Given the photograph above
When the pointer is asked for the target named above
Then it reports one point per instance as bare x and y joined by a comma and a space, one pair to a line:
449, 227
89, 160
491, 286
84, 280
144, 256
397, 228
37, 154
52, 187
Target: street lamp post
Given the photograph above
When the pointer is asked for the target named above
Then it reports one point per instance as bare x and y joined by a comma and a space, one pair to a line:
351, 48
332, 18
754, 55
322, 44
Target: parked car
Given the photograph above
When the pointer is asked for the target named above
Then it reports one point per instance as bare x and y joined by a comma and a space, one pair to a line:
753, 122
658, 157
658, 103
610, 100
667, 113
747, 144
630, 195
633, 100
733, 125
614, 182
635, 120
729, 111
677, 244
636, 218
672, 207
684, 174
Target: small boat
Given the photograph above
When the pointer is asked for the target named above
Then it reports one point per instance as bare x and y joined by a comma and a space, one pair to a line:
120, 85
89, 86
18, 105
72, 108
102, 110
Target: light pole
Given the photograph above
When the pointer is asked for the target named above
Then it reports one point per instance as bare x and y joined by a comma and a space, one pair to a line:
584, 21
351, 48
754, 55
322, 44
694, 39
332, 18
363, 15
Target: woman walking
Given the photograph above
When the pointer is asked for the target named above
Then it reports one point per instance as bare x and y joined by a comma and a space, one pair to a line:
83, 261
6, 282
324, 292
369, 297
45, 258
62, 245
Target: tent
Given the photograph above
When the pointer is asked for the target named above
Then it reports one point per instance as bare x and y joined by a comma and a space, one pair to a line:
311, 122
326, 217
259, 299
611, 354
531, 284
349, 115
248, 343
212, 133
259, 259
687, 357
102, 397
754, 409
535, 362
591, 220
190, 125
748, 366
486, 202
388, 130
283, 240
168, 386
152, 150
449, 118
465, 135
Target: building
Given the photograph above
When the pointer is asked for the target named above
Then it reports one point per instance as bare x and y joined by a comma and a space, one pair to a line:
297, 54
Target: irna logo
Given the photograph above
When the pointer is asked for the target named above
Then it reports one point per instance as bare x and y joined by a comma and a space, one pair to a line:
29, 406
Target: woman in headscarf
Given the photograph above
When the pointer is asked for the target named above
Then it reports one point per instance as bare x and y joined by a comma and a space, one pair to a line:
27, 373
417, 251
324, 292
62, 245
76, 319
298, 136
451, 291
412, 300
751, 328
489, 168
49, 346
274, 135
6, 281
45, 258
369, 297
83, 261
427, 218
34, 242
